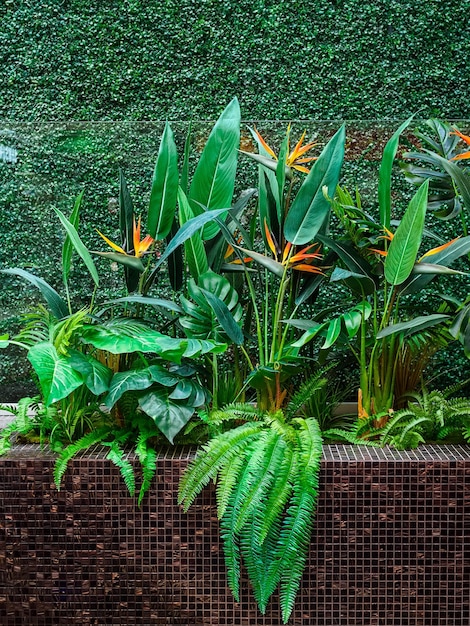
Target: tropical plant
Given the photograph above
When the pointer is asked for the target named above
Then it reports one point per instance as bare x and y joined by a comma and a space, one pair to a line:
266, 471
383, 268
430, 417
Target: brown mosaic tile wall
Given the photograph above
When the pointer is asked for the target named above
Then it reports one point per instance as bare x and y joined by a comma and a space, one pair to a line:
391, 546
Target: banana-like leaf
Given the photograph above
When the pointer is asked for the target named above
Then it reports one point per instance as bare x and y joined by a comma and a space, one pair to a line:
184, 178
67, 248
405, 244
310, 209
432, 268
4, 343
56, 375
126, 228
130, 262
96, 375
195, 253
169, 415
411, 327
78, 245
360, 278
460, 329
56, 304
162, 206
385, 175
214, 179
445, 257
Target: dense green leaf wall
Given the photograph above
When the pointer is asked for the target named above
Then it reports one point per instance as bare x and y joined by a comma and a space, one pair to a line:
181, 59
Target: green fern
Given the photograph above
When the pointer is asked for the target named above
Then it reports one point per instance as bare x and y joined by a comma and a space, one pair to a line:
117, 456
93, 438
267, 485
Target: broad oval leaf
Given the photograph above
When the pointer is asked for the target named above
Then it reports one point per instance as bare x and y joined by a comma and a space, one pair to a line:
169, 415
56, 375
404, 246
162, 205
214, 179
132, 380
310, 208
96, 375
195, 253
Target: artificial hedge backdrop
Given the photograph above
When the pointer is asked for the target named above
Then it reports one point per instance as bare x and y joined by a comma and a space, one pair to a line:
115, 63
181, 59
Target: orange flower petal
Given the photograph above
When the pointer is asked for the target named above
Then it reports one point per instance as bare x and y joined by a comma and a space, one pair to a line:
466, 138
438, 249
269, 239
381, 252
307, 268
301, 168
286, 251
112, 244
463, 155
265, 145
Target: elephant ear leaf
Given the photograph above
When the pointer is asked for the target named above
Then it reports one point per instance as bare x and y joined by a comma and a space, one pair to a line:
162, 206
310, 209
55, 373
214, 179
405, 244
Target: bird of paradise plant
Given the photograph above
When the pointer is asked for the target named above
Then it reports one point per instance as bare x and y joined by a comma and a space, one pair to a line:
382, 265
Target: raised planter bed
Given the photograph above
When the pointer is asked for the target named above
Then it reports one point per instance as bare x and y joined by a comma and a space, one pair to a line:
391, 545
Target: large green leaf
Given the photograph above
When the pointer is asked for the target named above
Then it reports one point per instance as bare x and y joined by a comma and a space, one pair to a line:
56, 375
196, 257
214, 179
57, 306
385, 175
169, 415
146, 301
310, 209
405, 244
206, 318
131, 263
96, 375
132, 380
78, 245
412, 327
162, 206
455, 250
124, 335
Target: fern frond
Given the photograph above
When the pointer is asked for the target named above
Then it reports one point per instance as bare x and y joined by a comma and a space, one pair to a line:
226, 481
90, 439
309, 388
231, 545
234, 411
280, 492
212, 457
116, 456
263, 467
148, 460
349, 437
63, 331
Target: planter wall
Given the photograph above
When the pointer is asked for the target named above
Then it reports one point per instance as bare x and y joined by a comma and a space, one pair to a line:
391, 545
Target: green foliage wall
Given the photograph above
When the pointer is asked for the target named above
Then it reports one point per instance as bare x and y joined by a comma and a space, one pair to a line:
181, 59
